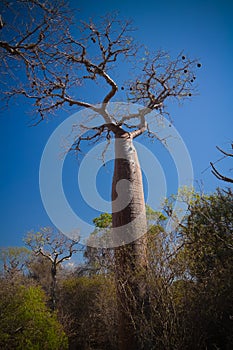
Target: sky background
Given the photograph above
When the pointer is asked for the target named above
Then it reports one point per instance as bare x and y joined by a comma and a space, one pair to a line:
204, 30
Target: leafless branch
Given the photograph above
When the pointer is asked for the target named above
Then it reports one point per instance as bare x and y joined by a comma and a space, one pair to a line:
220, 176
224, 152
216, 172
164, 78
47, 59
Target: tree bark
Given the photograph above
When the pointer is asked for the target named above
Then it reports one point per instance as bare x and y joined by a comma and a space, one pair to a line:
128, 205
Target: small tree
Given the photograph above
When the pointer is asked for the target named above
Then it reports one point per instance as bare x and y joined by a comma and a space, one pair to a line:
55, 248
15, 260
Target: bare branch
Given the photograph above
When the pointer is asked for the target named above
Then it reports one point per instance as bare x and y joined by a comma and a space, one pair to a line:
42, 60
224, 152
216, 172
220, 176
46, 255
96, 133
163, 78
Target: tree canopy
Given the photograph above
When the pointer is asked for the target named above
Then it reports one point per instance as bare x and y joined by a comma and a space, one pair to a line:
47, 57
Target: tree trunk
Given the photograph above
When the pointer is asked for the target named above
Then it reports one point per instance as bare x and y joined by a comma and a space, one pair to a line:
54, 286
129, 218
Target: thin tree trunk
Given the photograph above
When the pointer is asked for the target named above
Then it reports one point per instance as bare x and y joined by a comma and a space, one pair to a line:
54, 286
130, 259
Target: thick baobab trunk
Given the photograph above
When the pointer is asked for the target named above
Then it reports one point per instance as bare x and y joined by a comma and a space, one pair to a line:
129, 219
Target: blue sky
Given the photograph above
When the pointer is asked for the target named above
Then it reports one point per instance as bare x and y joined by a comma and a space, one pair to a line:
203, 29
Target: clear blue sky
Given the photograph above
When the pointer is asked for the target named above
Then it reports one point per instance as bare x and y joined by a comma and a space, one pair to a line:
203, 29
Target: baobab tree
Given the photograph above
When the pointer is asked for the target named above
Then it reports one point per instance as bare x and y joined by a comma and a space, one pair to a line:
50, 60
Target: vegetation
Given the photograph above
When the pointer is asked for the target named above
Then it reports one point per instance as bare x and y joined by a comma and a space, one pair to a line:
26, 322
189, 289
53, 249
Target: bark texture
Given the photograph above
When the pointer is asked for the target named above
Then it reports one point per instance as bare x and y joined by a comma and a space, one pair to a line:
129, 217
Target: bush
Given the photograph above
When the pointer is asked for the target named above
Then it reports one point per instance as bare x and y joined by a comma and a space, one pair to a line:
26, 323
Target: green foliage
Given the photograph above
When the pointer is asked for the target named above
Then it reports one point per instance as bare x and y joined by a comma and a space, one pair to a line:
103, 221
14, 260
154, 216
25, 321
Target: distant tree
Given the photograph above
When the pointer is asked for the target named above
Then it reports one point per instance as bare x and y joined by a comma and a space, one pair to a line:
55, 248
26, 323
14, 260
51, 60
